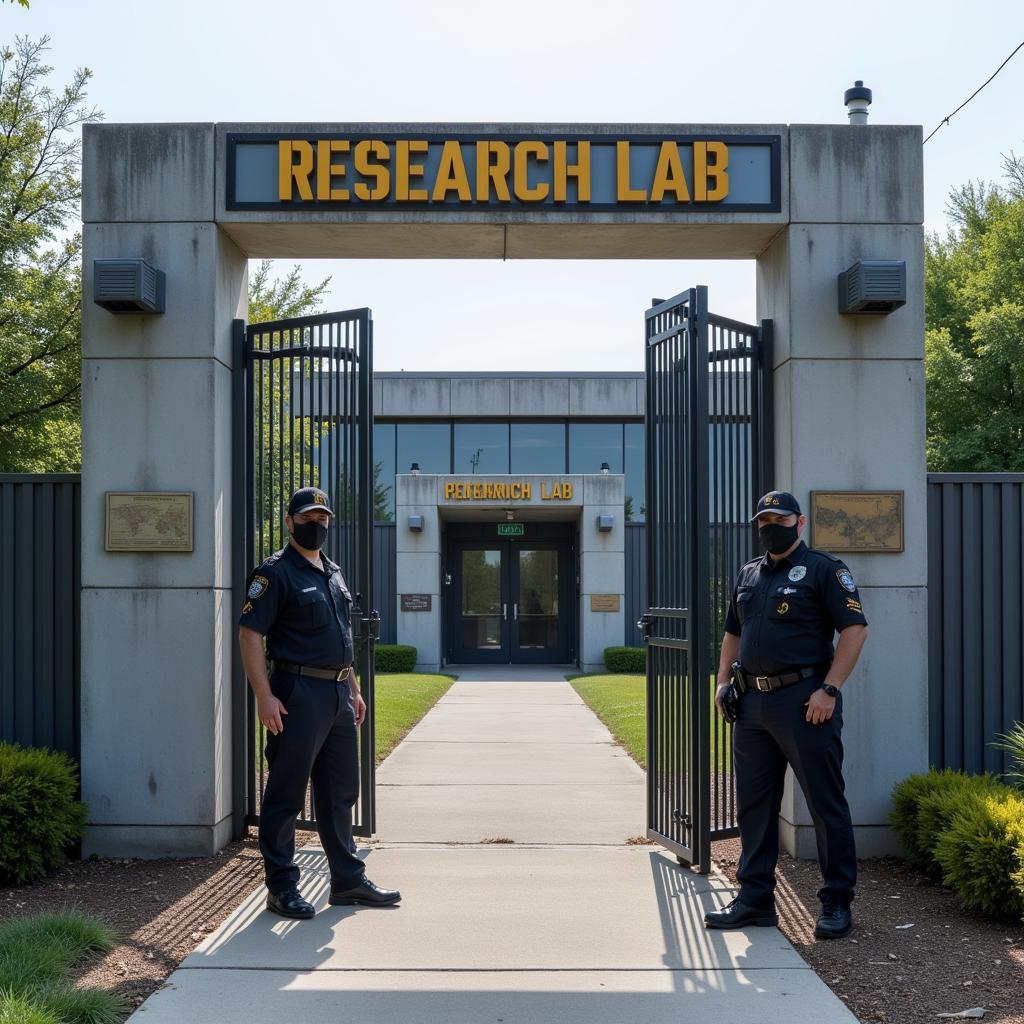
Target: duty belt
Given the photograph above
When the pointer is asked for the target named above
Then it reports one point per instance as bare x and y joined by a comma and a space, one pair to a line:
767, 684
337, 674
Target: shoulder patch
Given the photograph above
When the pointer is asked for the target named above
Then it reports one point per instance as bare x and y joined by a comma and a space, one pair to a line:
258, 587
845, 578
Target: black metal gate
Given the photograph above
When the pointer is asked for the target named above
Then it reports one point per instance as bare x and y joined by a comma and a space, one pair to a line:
303, 394
708, 418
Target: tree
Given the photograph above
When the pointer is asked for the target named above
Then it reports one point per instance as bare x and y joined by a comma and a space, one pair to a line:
40, 287
974, 344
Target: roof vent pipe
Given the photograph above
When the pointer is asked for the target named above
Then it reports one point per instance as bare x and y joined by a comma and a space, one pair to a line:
857, 101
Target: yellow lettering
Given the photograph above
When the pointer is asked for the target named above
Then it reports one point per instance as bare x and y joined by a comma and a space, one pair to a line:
710, 161
567, 490
492, 171
326, 170
544, 492
460, 492
449, 491
668, 175
625, 192
405, 171
382, 176
488, 491
539, 192
516, 491
451, 174
527, 490
579, 170
478, 491
294, 173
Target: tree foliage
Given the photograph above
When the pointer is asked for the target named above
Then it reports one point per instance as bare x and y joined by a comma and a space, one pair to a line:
40, 287
974, 345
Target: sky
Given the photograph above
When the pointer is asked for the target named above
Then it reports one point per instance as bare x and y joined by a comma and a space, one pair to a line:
560, 61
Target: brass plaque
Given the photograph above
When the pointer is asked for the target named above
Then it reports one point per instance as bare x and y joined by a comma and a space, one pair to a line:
149, 521
415, 602
857, 521
604, 602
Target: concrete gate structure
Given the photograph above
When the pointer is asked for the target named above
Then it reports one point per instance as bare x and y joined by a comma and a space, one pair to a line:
158, 630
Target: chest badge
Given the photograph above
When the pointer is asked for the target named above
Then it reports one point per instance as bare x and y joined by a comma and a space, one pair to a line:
846, 580
783, 608
258, 587
797, 573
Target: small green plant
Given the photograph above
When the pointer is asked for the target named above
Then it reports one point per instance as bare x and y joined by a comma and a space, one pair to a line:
39, 815
624, 659
1013, 743
395, 657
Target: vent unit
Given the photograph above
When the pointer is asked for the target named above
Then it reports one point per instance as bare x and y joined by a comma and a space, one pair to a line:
128, 286
873, 286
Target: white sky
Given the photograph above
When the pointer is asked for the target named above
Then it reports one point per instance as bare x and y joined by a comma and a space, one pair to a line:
561, 60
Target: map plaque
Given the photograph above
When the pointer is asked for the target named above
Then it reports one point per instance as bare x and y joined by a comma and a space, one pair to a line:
152, 521
862, 521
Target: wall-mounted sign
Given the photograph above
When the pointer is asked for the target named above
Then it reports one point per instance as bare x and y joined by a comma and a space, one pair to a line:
516, 490
604, 602
149, 521
354, 171
415, 602
511, 529
857, 521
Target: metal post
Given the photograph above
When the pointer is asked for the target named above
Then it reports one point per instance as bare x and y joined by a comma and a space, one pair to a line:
240, 444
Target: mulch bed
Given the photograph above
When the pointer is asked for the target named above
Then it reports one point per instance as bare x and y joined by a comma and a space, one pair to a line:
949, 961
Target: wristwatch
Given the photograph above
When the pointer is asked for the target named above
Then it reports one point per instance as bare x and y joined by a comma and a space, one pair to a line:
832, 691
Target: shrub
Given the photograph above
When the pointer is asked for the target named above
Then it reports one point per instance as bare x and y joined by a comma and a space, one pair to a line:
39, 815
395, 657
624, 659
1013, 743
980, 854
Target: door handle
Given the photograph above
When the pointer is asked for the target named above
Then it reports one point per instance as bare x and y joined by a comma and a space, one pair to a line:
504, 611
515, 612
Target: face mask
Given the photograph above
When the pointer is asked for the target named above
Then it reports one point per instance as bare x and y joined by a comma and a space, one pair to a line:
777, 538
310, 536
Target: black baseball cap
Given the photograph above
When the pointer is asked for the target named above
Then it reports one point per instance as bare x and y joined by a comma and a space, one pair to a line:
780, 502
306, 499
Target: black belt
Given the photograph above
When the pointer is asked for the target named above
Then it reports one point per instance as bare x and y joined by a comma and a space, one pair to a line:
767, 684
337, 674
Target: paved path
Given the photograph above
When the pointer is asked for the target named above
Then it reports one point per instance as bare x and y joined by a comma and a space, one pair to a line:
566, 923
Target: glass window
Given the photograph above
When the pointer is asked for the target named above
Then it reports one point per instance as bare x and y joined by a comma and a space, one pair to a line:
634, 460
429, 444
384, 472
481, 448
590, 444
538, 448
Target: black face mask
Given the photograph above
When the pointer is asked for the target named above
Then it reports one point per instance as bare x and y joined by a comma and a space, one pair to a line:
777, 538
311, 536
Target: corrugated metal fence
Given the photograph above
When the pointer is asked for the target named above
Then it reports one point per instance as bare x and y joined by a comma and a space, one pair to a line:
975, 616
384, 579
40, 569
636, 581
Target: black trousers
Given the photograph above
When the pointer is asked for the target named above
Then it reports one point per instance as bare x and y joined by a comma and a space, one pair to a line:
318, 742
770, 733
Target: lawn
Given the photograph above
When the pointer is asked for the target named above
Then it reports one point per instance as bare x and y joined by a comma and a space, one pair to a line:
620, 702
403, 698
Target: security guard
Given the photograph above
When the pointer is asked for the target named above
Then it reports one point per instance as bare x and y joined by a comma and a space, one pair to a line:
311, 706
785, 609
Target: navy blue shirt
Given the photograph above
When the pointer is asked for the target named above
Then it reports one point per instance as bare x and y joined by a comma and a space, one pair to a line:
304, 612
786, 612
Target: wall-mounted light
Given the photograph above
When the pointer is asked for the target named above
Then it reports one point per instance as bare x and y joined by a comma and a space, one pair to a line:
128, 286
605, 522
510, 514
415, 469
873, 286
416, 524
605, 468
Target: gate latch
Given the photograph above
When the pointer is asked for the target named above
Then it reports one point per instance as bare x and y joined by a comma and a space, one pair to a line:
646, 625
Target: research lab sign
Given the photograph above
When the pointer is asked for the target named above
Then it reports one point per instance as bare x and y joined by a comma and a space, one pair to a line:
659, 174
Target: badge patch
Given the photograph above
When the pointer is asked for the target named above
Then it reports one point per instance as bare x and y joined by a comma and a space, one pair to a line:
247, 607
797, 573
783, 608
789, 590
258, 587
846, 580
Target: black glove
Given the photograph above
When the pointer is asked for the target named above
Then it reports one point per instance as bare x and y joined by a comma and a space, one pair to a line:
731, 703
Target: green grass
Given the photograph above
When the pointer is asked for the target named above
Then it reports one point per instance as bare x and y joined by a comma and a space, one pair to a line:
620, 701
35, 955
403, 698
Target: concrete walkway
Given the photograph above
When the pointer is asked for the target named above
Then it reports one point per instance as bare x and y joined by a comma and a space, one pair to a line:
565, 923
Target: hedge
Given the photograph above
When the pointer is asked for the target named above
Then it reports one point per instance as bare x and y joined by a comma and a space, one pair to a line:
39, 815
395, 657
624, 659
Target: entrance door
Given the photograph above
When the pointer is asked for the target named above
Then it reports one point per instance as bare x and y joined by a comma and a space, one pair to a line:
510, 602
708, 460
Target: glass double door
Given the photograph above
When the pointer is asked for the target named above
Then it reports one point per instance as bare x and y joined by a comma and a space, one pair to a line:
511, 602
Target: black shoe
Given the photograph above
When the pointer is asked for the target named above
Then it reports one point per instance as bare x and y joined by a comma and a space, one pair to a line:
739, 915
834, 921
365, 893
290, 904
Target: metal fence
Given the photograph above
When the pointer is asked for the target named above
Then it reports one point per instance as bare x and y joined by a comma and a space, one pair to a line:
385, 585
975, 616
40, 566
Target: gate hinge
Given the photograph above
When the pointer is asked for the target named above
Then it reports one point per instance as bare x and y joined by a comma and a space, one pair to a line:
646, 625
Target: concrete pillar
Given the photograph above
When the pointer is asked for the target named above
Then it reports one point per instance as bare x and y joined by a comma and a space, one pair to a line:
602, 568
849, 415
418, 567
156, 416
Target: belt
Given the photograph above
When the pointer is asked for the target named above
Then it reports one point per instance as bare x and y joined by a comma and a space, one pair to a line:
767, 684
337, 674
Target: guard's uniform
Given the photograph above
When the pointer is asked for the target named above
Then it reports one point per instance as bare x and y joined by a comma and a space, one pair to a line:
785, 613
306, 615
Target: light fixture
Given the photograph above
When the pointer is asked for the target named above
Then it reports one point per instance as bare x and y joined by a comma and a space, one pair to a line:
416, 524
510, 514
605, 522
415, 469
857, 101
605, 468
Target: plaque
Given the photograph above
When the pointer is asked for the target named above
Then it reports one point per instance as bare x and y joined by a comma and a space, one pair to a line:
149, 521
604, 602
415, 602
857, 521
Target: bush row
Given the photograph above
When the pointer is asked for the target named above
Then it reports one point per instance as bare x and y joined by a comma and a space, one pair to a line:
968, 831
395, 657
624, 659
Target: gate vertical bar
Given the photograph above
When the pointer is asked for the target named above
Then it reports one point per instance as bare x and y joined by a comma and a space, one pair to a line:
239, 569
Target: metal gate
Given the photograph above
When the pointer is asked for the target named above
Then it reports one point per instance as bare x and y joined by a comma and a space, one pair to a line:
708, 417
303, 394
